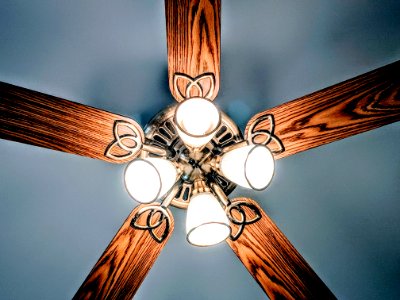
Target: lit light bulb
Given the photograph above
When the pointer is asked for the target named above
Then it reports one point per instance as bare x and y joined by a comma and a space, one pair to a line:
206, 222
197, 120
148, 179
251, 166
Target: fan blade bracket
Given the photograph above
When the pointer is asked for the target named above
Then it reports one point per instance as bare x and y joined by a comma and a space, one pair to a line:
202, 86
241, 213
154, 218
262, 132
127, 143
193, 43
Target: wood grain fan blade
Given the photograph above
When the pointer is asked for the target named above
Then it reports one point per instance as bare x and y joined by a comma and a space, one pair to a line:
126, 261
360, 104
193, 42
274, 263
42, 120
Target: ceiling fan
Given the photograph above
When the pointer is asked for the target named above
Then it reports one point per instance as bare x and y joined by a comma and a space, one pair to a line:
357, 105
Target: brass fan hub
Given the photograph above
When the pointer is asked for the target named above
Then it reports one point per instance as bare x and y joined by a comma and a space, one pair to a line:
161, 132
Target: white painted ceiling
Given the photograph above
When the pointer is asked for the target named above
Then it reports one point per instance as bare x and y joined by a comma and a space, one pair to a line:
338, 204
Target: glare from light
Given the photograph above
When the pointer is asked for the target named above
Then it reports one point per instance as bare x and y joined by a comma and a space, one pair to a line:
251, 166
197, 120
206, 223
149, 179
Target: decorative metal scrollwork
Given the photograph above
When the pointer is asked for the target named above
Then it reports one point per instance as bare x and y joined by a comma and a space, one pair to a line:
265, 136
194, 83
128, 141
241, 213
152, 217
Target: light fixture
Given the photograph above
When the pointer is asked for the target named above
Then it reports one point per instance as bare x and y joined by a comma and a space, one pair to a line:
206, 222
251, 166
148, 179
193, 156
197, 120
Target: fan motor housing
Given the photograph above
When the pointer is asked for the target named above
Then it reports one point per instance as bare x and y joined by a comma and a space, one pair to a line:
161, 131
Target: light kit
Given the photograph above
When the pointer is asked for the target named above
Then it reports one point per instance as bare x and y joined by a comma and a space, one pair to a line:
251, 166
196, 120
159, 172
199, 151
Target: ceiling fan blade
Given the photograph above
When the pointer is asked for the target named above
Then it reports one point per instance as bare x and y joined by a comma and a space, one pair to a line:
193, 42
272, 260
130, 255
360, 104
42, 120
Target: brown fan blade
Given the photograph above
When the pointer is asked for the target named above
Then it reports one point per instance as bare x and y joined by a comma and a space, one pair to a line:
360, 104
271, 259
127, 260
42, 120
193, 41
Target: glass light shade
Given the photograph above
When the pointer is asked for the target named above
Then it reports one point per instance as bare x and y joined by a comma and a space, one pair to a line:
251, 166
206, 221
149, 179
197, 120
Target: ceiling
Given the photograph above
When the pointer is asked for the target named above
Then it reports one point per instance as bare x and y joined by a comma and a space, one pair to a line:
338, 204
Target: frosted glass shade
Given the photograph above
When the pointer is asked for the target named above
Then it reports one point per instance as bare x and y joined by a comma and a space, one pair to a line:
206, 223
250, 166
148, 179
197, 120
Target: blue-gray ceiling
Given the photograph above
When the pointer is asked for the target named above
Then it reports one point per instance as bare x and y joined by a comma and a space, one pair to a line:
338, 204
